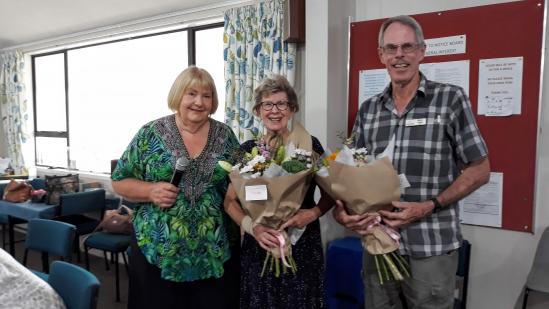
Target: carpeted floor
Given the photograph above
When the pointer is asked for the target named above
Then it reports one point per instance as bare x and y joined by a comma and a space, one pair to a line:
107, 290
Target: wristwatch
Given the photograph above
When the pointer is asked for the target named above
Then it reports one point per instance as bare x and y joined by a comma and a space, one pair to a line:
438, 205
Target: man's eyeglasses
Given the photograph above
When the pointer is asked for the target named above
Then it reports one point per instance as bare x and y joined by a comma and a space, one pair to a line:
406, 48
280, 105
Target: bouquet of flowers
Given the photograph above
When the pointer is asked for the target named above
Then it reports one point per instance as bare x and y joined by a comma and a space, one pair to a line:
271, 183
367, 185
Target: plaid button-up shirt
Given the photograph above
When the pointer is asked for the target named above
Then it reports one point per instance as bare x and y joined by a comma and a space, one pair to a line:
434, 136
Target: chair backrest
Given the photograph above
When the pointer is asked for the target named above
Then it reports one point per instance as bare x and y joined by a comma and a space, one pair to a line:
38, 183
537, 278
542, 251
81, 202
463, 273
78, 287
50, 236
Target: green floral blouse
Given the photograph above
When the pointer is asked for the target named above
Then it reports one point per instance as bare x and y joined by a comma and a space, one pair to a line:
190, 240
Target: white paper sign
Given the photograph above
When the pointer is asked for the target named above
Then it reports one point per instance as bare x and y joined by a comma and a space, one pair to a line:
256, 193
483, 207
449, 45
372, 82
500, 86
449, 72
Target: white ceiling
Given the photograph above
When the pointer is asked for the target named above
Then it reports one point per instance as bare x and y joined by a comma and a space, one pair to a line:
25, 21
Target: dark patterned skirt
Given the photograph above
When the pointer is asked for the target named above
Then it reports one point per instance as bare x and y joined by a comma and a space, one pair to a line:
304, 289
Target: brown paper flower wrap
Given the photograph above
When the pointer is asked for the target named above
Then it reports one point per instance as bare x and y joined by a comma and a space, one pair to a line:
284, 197
367, 189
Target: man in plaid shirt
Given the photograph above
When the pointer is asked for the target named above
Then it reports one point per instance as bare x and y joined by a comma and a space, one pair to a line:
440, 152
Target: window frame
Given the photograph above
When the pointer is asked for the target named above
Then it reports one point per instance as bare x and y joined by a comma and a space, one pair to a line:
191, 45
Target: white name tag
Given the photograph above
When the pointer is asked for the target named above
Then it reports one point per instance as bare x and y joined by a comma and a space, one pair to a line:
416, 122
256, 193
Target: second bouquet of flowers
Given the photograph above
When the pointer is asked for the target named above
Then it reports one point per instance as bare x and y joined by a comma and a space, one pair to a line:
271, 183
366, 185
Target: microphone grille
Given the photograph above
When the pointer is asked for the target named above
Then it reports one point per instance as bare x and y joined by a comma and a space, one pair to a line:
181, 163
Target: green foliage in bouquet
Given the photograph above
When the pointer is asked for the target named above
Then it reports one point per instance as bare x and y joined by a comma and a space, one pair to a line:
294, 166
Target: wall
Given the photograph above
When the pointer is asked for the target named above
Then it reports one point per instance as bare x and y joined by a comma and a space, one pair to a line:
500, 259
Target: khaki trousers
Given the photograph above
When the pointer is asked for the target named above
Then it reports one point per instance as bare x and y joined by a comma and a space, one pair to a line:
430, 286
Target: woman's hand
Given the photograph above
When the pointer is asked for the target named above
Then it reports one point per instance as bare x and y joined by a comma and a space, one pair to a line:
266, 237
302, 218
163, 194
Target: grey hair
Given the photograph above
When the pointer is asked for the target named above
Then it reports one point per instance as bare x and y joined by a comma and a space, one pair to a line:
405, 20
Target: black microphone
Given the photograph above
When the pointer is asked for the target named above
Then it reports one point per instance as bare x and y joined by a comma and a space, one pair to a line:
180, 166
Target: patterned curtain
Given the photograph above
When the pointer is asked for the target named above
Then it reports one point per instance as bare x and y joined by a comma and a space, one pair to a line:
13, 107
254, 48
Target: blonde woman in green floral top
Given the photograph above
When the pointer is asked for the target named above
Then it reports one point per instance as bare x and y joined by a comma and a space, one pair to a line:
181, 254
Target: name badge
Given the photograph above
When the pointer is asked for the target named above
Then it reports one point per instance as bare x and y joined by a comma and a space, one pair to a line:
416, 122
256, 193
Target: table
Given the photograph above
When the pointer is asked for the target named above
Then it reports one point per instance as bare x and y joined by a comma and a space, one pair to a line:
27, 211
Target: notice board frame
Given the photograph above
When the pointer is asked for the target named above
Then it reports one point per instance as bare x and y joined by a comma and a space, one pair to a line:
502, 30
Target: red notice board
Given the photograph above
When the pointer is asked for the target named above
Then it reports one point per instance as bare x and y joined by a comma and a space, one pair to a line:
493, 31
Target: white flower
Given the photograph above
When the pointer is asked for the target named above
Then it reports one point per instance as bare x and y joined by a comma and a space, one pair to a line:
302, 152
359, 151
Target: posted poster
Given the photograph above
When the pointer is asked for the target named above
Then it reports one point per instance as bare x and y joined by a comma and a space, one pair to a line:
484, 206
500, 86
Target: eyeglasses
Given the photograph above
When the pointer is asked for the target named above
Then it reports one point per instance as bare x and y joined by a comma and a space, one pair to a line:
280, 105
406, 48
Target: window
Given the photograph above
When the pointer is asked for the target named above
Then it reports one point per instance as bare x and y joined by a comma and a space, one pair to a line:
90, 101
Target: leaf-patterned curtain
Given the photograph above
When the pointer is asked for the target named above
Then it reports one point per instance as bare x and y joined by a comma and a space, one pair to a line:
13, 106
254, 48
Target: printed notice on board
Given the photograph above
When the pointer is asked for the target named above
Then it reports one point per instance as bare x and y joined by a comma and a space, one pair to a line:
449, 45
372, 82
484, 206
500, 86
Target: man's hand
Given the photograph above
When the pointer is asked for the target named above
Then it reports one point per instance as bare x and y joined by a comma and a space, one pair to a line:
266, 237
302, 218
357, 223
409, 212
163, 194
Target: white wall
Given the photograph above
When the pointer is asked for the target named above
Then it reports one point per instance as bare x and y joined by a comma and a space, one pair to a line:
500, 259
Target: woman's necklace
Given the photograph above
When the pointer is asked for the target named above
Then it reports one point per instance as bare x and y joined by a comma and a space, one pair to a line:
185, 129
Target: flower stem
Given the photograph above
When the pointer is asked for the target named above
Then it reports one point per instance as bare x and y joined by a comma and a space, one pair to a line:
267, 259
378, 270
401, 263
392, 267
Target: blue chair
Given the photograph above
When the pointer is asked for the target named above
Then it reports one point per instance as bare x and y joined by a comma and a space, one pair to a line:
78, 288
49, 237
116, 244
344, 286
73, 208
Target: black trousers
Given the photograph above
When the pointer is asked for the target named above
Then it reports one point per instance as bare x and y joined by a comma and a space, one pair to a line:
149, 290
